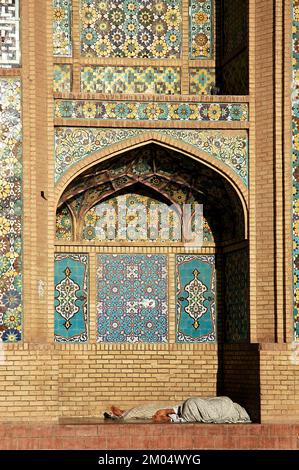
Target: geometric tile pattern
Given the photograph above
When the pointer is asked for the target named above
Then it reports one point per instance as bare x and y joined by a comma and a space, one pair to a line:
62, 28
132, 298
232, 149
195, 299
143, 215
295, 117
152, 80
9, 32
62, 78
236, 296
201, 29
10, 210
201, 81
150, 111
71, 298
64, 225
131, 28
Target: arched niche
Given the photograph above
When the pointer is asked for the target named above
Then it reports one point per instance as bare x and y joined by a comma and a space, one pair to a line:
158, 174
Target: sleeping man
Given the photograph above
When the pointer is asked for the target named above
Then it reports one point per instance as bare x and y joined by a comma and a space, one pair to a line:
195, 409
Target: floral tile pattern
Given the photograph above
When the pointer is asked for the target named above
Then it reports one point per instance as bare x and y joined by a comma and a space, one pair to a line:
71, 298
152, 80
236, 296
74, 144
295, 114
101, 222
9, 32
132, 299
10, 210
62, 78
201, 29
62, 28
131, 28
64, 225
201, 81
195, 299
150, 111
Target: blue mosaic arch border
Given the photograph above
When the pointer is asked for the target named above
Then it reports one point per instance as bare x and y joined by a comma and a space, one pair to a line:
73, 145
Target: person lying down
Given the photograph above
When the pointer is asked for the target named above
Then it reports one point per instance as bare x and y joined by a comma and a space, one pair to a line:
202, 410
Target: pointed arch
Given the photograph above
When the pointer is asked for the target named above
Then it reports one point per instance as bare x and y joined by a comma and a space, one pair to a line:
165, 141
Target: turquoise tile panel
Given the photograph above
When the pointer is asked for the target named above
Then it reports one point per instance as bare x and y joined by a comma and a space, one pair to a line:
132, 299
71, 298
195, 299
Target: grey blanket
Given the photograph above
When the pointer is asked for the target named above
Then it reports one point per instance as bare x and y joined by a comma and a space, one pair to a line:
195, 409
213, 410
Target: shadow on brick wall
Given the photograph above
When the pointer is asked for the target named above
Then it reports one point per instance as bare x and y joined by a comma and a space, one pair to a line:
239, 376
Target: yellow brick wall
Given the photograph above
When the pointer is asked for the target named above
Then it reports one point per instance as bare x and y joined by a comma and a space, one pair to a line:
43, 383
279, 377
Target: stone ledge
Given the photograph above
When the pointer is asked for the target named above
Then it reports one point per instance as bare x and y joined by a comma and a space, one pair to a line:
97, 434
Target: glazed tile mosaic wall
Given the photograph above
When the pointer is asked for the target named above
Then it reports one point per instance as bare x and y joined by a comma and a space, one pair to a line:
236, 296
130, 28
62, 78
10, 210
145, 219
201, 29
64, 225
295, 115
9, 33
201, 81
74, 144
152, 80
132, 298
62, 28
71, 298
157, 224
151, 111
195, 299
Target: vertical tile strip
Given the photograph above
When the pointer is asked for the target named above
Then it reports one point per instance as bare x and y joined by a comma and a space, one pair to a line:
295, 118
201, 29
11, 210
62, 28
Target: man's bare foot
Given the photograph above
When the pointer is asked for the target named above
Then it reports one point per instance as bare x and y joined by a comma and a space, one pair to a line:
116, 411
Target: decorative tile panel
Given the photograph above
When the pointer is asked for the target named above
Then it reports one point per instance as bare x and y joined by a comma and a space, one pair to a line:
201, 81
131, 28
132, 299
143, 215
71, 298
62, 28
74, 144
295, 115
64, 225
151, 111
9, 32
11, 208
201, 29
236, 296
151, 80
196, 299
62, 78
